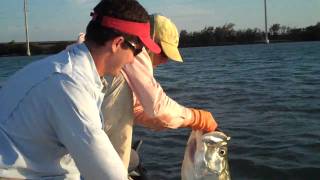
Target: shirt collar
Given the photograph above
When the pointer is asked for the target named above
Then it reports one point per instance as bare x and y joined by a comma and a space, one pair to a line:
82, 50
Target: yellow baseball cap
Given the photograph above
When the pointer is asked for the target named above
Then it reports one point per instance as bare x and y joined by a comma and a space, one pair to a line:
166, 33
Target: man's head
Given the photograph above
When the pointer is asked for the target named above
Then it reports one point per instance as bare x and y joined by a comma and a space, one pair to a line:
166, 34
117, 32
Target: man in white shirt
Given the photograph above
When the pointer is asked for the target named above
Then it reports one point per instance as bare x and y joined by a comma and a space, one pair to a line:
50, 119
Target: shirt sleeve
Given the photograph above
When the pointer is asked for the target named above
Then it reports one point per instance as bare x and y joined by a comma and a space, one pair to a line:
149, 92
78, 126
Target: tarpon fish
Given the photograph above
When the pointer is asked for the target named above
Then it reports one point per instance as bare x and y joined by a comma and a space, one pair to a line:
206, 157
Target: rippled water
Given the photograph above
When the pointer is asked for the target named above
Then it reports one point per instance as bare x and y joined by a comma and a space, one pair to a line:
266, 97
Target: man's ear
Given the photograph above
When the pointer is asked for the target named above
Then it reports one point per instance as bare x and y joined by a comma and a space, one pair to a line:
116, 43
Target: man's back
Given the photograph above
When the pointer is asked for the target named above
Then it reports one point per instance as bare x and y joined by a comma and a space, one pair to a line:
55, 112
29, 141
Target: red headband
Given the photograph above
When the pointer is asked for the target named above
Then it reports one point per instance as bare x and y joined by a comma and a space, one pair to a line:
142, 30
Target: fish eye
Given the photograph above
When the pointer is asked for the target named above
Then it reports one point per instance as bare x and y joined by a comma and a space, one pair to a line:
222, 152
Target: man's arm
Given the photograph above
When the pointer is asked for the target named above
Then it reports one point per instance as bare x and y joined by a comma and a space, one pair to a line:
148, 91
200, 120
155, 103
77, 124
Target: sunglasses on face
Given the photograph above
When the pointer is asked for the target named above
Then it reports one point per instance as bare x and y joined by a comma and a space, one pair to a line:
134, 47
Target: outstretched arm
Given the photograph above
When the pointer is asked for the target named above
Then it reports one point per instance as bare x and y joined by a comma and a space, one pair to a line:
153, 107
200, 120
148, 91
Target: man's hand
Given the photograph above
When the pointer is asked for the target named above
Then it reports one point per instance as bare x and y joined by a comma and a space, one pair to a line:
201, 120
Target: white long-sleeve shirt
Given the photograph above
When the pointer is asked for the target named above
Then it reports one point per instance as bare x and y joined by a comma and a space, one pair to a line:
50, 124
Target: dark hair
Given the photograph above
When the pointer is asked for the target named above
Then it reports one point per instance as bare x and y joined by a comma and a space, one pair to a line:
129, 10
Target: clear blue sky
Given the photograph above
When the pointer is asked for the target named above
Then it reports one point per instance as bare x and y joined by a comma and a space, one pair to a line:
63, 19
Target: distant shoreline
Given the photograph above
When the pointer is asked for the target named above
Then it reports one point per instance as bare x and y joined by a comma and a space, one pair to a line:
52, 47
209, 36
240, 43
36, 48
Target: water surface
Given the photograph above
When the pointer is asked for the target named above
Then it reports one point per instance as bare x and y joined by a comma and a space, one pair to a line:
266, 97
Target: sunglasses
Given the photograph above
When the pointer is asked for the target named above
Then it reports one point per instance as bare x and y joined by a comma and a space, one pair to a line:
133, 47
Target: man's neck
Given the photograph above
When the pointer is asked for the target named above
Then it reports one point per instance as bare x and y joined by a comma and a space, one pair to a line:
99, 55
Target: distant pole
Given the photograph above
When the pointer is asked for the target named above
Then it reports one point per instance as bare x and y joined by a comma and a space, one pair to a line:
26, 27
266, 22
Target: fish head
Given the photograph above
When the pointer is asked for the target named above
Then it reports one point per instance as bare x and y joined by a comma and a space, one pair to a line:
206, 157
212, 155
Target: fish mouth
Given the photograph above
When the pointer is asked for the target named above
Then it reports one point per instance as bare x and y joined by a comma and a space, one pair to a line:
208, 173
214, 172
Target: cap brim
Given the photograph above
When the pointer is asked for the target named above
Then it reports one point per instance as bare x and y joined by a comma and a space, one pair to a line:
171, 51
150, 44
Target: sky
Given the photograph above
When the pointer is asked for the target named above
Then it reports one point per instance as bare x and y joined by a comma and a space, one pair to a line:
56, 20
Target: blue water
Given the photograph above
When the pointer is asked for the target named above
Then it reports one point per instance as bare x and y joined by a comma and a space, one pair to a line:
266, 97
